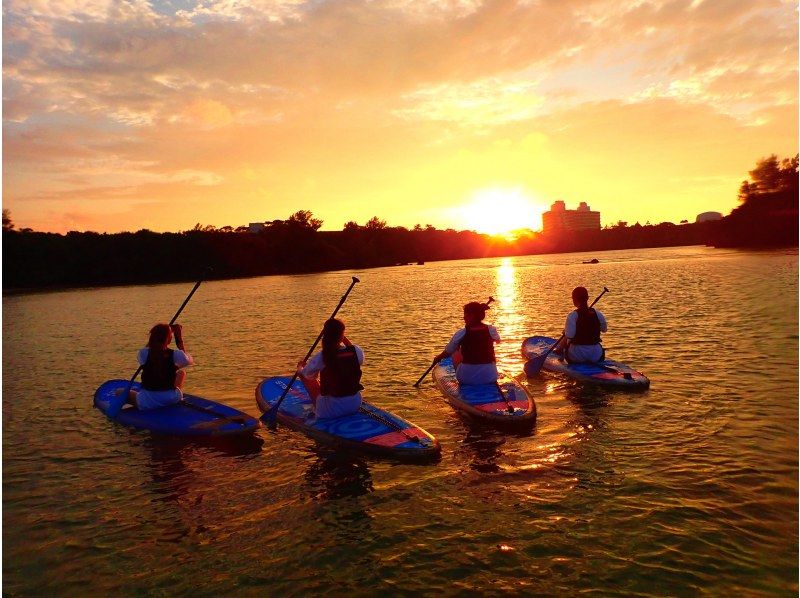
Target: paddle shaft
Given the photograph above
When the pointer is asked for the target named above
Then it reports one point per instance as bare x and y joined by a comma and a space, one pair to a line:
272, 414
555, 344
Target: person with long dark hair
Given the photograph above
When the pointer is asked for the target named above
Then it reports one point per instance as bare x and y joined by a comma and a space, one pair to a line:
582, 330
338, 391
472, 347
162, 368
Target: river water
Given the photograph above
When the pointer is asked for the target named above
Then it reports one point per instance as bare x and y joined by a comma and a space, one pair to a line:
690, 487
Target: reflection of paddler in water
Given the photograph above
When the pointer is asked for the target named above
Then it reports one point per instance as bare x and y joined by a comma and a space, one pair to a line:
162, 373
581, 342
472, 347
338, 391
335, 475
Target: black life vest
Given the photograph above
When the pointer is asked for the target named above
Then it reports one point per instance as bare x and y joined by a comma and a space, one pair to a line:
343, 378
587, 328
158, 372
477, 345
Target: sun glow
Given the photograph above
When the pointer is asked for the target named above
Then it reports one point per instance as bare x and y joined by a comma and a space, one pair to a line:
500, 212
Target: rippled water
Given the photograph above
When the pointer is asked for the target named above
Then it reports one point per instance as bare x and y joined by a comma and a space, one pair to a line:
690, 487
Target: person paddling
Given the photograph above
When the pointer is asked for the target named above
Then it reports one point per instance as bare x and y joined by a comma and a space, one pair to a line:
472, 347
338, 365
581, 342
162, 373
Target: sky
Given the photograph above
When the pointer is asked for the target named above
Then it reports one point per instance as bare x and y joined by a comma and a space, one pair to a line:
129, 114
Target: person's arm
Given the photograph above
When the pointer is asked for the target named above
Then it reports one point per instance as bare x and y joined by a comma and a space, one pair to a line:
177, 331
310, 369
452, 346
603, 323
569, 334
494, 334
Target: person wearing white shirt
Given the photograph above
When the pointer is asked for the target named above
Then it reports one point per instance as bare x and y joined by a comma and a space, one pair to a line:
162, 369
475, 345
582, 331
338, 392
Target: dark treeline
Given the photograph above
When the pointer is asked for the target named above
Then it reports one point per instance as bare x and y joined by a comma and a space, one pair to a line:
767, 216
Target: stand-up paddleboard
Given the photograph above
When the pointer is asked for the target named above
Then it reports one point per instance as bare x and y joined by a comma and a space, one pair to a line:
483, 402
605, 373
371, 430
194, 416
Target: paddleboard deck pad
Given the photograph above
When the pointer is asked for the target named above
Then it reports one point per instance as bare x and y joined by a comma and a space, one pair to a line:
605, 373
483, 402
194, 416
371, 430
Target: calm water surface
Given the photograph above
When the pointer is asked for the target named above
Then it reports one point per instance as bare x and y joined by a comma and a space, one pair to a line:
688, 488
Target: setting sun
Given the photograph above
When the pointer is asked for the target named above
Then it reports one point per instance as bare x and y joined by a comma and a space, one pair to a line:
501, 211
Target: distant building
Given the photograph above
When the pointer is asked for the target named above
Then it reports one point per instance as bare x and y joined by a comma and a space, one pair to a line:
257, 227
560, 219
708, 217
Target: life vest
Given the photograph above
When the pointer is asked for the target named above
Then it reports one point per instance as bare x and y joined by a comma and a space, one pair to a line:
587, 328
158, 372
343, 378
477, 345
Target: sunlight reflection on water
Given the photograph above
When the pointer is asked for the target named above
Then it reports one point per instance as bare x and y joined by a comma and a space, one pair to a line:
691, 486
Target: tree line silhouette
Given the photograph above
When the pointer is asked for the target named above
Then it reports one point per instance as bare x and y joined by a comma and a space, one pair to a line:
767, 217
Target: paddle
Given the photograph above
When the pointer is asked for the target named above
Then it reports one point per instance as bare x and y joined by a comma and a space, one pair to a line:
428, 371
117, 402
271, 416
534, 366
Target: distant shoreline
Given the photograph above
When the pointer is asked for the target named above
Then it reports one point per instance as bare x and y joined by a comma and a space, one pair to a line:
15, 291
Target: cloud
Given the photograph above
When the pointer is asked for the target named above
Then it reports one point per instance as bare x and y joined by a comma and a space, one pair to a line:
164, 101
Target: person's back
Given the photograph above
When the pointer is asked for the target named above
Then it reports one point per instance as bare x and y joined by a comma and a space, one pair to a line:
582, 330
338, 392
162, 373
472, 348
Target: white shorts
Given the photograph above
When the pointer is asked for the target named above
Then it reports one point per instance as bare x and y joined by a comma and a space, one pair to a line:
476, 373
153, 399
585, 353
328, 406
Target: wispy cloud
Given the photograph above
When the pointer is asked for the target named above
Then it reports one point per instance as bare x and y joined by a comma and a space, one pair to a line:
179, 101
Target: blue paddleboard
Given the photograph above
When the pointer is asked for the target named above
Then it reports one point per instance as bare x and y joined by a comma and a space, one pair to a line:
194, 416
483, 402
371, 430
605, 373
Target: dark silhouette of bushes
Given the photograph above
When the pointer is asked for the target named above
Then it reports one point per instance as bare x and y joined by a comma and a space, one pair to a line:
767, 217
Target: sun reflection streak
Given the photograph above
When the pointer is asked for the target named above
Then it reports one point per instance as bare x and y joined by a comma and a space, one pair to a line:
508, 319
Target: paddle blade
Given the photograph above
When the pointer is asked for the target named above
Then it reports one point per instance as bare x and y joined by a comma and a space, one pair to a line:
534, 366
270, 418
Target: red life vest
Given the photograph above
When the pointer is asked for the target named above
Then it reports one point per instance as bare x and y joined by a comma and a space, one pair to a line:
343, 378
587, 328
158, 372
477, 345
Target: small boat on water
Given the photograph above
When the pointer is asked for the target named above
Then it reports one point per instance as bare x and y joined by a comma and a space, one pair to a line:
592, 261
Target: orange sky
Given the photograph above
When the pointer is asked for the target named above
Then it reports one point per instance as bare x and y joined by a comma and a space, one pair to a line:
121, 115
